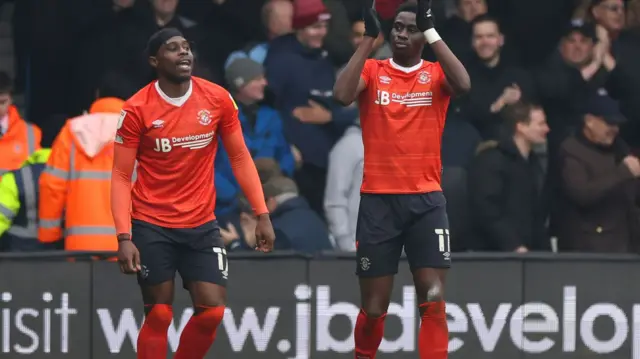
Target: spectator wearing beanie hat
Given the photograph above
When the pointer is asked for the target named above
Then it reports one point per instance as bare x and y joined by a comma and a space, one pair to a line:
309, 12
262, 129
301, 77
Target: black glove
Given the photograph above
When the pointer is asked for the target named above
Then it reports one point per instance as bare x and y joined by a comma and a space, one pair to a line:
424, 19
371, 21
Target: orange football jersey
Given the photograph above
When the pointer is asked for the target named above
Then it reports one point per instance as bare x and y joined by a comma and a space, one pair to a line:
402, 114
177, 141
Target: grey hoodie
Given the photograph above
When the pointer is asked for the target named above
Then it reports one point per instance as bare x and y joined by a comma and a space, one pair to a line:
342, 195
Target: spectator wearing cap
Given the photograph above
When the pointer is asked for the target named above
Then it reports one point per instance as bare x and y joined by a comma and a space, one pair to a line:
262, 129
579, 67
623, 52
301, 77
599, 208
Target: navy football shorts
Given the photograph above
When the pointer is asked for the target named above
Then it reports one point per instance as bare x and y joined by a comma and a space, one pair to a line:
198, 254
387, 223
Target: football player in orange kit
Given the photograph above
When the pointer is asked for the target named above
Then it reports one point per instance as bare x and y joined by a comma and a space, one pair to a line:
166, 222
403, 105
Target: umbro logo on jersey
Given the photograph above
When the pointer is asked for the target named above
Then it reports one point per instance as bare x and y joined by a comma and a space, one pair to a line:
157, 124
385, 80
192, 142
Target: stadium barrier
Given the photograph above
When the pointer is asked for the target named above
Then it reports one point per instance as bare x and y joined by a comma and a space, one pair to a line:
500, 306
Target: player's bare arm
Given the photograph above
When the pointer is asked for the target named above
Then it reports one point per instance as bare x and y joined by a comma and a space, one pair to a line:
457, 77
349, 83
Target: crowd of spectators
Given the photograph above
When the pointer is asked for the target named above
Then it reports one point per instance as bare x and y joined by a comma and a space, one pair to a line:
541, 155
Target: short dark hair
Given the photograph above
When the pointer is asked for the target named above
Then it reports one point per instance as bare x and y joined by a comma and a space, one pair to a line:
407, 7
6, 83
519, 112
279, 185
485, 18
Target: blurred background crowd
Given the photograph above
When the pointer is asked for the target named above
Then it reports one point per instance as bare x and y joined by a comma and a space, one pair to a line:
541, 155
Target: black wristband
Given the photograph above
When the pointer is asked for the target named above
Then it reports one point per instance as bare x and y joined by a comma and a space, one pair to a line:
124, 237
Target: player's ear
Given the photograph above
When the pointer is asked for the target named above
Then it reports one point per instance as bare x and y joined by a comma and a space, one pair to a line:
153, 61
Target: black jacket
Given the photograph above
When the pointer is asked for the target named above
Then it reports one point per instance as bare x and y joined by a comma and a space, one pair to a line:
299, 228
488, 85
507, 201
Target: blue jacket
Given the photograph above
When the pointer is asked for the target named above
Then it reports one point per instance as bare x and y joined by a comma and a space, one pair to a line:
297, 74
264, 140
300, 228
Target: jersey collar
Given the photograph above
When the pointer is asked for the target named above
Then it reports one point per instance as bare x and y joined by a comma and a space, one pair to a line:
406, 69
177, 101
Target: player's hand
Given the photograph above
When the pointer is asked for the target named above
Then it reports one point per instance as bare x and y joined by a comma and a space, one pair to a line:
315, 113
264, 234
371, 20
128, 257
424, 18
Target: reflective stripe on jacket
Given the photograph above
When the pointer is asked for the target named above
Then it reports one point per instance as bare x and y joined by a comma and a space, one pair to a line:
76, 183
19, 206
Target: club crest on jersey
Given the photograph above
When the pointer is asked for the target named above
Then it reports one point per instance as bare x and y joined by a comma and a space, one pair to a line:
204, 117
424, 77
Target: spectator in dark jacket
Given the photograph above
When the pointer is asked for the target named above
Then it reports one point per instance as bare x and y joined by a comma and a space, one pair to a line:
128, 64
297, 227
276, 18
506, 189
570, 74
301, 77
456, 30
495, 82
262, 129
624, 49
601, 192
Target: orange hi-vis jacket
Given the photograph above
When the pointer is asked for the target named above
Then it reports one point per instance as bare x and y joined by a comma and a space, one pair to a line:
20, 141
76, 184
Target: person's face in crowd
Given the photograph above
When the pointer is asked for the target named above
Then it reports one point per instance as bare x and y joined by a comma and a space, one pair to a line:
357, 33
406, 39
600, 131
174, 60
280, 17
164, 7
487, 40
535, 131
470, 9
5, 101
313, 36
610, 14
576, 49
254, 89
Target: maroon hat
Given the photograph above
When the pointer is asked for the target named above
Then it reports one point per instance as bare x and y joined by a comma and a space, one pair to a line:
308, 12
